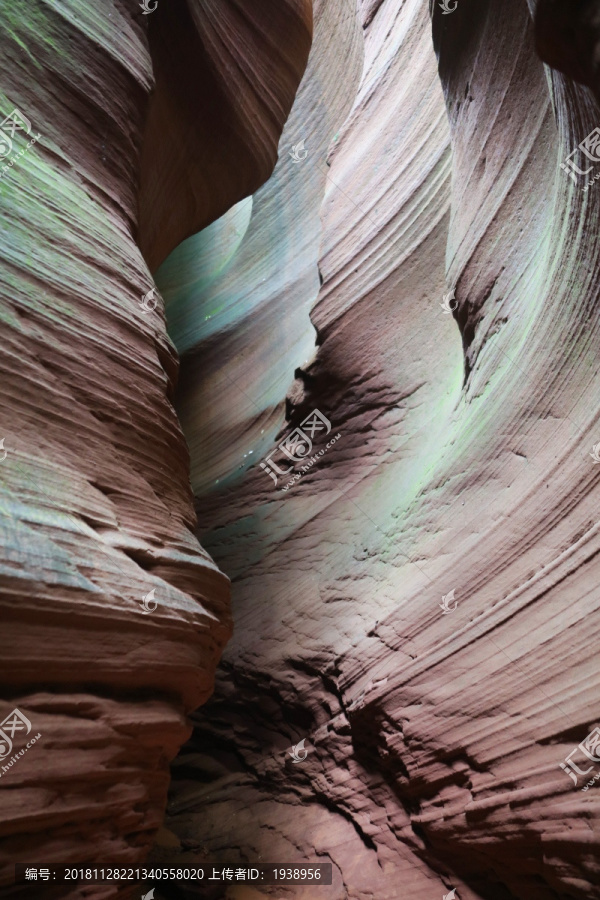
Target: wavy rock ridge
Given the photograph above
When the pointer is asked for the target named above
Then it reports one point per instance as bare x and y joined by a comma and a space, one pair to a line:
463, 468
97, 510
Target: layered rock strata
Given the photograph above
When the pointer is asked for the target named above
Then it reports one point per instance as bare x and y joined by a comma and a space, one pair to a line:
455, 330
114, 617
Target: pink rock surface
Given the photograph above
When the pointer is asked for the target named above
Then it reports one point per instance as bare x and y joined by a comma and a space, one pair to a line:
97, 508
463, 467
420, 608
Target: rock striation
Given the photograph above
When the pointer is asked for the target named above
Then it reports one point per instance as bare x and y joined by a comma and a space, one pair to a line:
114, 616
420, 607
226, 74
404, 295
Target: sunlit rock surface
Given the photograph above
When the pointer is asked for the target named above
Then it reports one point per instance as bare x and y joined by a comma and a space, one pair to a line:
97, 509
463, 470
257, 303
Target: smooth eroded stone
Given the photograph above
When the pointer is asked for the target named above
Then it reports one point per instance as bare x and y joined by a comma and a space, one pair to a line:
113, 615
419, 605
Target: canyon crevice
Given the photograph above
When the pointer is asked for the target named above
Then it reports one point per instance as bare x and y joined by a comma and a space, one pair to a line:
380, 288
434, 741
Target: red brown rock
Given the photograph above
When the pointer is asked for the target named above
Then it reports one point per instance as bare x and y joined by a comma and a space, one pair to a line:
464, 468
225, 78
96, 503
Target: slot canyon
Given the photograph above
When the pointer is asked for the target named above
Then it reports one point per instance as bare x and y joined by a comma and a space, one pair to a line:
299, 447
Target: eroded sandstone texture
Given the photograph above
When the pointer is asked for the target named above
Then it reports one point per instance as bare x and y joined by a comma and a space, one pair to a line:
96, 505
435, 740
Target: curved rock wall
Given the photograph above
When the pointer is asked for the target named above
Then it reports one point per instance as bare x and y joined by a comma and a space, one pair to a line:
97, 510
462, 471
232, 310
225, 78
419, 269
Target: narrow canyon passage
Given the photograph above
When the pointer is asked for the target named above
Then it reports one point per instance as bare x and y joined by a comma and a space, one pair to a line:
301, 400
